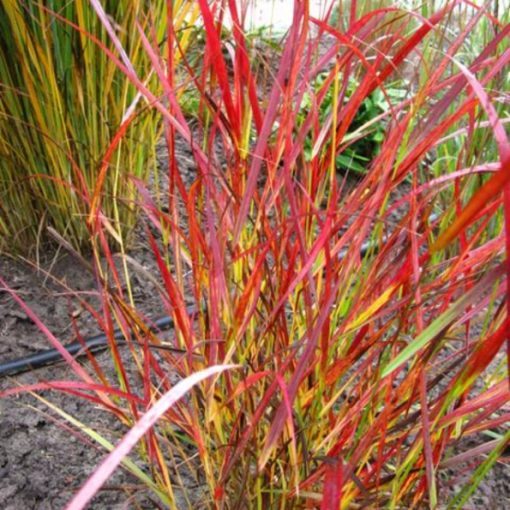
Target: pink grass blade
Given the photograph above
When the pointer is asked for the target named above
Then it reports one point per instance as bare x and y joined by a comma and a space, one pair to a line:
110, 463
49, 335
470, 454
113, 36
496, 183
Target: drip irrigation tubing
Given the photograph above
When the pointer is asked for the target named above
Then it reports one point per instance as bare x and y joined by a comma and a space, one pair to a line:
92, 344
99, 342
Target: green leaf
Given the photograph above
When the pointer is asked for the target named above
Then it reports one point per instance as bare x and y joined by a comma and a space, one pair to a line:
443, 321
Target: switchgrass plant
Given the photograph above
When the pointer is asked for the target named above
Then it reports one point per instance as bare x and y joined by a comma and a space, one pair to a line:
354, 320
62, 101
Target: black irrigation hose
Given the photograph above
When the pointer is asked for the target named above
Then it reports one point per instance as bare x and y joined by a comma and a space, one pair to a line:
100, 342
91, 344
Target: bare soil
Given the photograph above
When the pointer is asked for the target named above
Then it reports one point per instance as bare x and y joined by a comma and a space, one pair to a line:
42, 463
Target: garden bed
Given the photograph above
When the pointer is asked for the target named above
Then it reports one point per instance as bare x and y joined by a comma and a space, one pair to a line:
43, 462
331, 302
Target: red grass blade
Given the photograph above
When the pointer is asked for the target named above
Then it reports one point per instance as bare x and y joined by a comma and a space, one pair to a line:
333, 481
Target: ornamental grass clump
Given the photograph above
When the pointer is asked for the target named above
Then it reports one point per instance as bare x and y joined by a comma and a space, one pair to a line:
62, 100
356, 321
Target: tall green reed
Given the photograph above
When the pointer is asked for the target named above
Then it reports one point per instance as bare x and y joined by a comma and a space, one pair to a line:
61, 102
